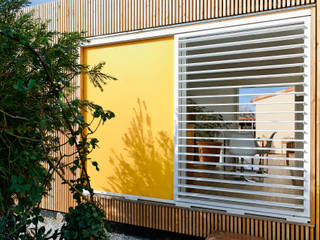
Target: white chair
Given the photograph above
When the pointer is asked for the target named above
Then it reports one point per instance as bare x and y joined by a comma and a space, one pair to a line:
265, 150
243, 149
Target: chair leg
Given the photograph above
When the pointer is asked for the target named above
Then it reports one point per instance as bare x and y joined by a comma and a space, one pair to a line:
267, 160
252, 162
261, 170
242, 169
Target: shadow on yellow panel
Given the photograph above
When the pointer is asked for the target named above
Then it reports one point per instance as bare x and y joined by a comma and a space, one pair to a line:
135, 153
149, 169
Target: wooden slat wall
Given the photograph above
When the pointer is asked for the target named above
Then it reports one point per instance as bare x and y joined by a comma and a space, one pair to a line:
59, 197
200, 223
317, 126
100, 17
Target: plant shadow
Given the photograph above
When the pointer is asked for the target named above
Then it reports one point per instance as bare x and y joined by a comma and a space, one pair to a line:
145, 165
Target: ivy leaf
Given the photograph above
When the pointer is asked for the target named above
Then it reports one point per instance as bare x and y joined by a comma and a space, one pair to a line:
93, 142
95, 164
71, 141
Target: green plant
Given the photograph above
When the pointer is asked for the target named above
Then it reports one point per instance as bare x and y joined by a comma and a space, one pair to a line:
84, 222
205, 121
38, 73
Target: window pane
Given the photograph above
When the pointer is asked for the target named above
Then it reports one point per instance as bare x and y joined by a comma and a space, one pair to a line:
241, 119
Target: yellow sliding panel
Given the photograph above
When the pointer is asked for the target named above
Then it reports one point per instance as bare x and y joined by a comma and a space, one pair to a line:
135, 153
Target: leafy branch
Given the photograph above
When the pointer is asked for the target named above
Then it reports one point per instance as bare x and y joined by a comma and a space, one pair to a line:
36, 84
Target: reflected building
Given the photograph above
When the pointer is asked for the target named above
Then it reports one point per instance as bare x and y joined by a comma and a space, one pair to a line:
282, 119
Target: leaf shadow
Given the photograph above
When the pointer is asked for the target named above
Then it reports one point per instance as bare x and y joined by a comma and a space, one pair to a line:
145, 166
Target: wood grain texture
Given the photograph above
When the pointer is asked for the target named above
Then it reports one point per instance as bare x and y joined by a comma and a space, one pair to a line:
200, 223
101, 17
317, 126
313, 102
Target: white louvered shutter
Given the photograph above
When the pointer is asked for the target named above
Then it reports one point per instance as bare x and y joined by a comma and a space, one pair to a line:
243, 119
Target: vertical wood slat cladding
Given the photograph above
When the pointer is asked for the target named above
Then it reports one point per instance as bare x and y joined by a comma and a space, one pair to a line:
200, 223
101, 17
59, 197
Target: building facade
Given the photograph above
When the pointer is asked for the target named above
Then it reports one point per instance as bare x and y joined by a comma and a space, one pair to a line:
192, 75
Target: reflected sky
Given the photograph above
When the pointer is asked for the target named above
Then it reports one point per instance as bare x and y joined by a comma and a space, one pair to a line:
247, 99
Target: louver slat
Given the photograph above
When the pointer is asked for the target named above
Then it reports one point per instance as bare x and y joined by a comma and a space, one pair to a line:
253, 50
240, 156
263, 40
242, 118
243, 60
244, 32
245, 77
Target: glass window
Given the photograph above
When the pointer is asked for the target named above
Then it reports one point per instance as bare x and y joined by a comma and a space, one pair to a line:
243, 109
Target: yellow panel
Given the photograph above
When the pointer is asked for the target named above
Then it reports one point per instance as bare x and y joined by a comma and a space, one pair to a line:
136, 147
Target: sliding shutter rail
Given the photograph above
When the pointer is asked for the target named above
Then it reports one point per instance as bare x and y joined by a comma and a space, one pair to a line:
243, 119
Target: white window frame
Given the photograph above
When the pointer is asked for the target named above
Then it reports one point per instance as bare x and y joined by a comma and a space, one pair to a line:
261, 21
173, 30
